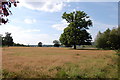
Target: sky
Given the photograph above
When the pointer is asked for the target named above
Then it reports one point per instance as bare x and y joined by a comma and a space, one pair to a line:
41, 21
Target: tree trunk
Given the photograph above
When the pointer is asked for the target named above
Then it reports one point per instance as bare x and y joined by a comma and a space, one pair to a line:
74, 46
75, 39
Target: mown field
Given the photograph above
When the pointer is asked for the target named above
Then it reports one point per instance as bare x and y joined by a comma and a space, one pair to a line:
43, 62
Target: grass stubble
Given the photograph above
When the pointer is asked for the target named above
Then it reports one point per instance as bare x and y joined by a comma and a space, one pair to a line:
46, 62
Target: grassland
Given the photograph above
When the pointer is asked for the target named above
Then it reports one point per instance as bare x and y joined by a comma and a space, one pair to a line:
43, 62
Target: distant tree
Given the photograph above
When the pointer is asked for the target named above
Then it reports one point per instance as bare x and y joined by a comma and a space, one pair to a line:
109, 39
0, 40
114, 39
5, 6
17, 44
76, 32
7, 40
56, 43
98, 35
102, 40
40, 44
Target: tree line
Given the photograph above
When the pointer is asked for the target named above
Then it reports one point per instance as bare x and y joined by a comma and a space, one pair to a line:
109, 39
55, 42
7, 40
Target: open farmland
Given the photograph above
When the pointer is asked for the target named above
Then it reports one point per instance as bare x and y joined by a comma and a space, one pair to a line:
43, 62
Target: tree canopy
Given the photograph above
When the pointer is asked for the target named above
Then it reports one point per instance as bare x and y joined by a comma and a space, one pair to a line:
7, 40
40, 44
5, 6
109, 39
76, 32
56, 43
0, 40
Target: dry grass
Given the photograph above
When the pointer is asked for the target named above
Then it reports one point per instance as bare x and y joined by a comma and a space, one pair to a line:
34, 62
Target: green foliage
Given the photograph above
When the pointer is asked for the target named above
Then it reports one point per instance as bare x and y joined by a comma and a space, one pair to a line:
82, 37
102, 40
0, 40
56, 43
17, 44
7, 40
109, 39
115, 38
5, 6
40, 44
71, 70
118, 52
12, 75
76, 32
62, 74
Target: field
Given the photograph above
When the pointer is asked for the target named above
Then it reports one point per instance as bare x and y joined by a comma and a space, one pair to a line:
43, 62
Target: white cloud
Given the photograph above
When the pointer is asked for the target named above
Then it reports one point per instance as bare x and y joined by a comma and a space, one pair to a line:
99, 26
29, 21
27, 36
103, 25
32, 30
60, 26
52, 5
91, 0
71, 0
74, 9
47, 6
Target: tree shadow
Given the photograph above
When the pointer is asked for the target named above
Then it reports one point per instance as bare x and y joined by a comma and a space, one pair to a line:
85, 49
88, 49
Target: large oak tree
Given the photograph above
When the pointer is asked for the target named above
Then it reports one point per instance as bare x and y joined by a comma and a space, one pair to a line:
76, 32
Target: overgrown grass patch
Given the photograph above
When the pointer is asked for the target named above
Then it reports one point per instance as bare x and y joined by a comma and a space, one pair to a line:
8, 74
59, 63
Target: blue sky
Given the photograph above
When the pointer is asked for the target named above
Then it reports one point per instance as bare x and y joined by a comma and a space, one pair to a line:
34, 22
